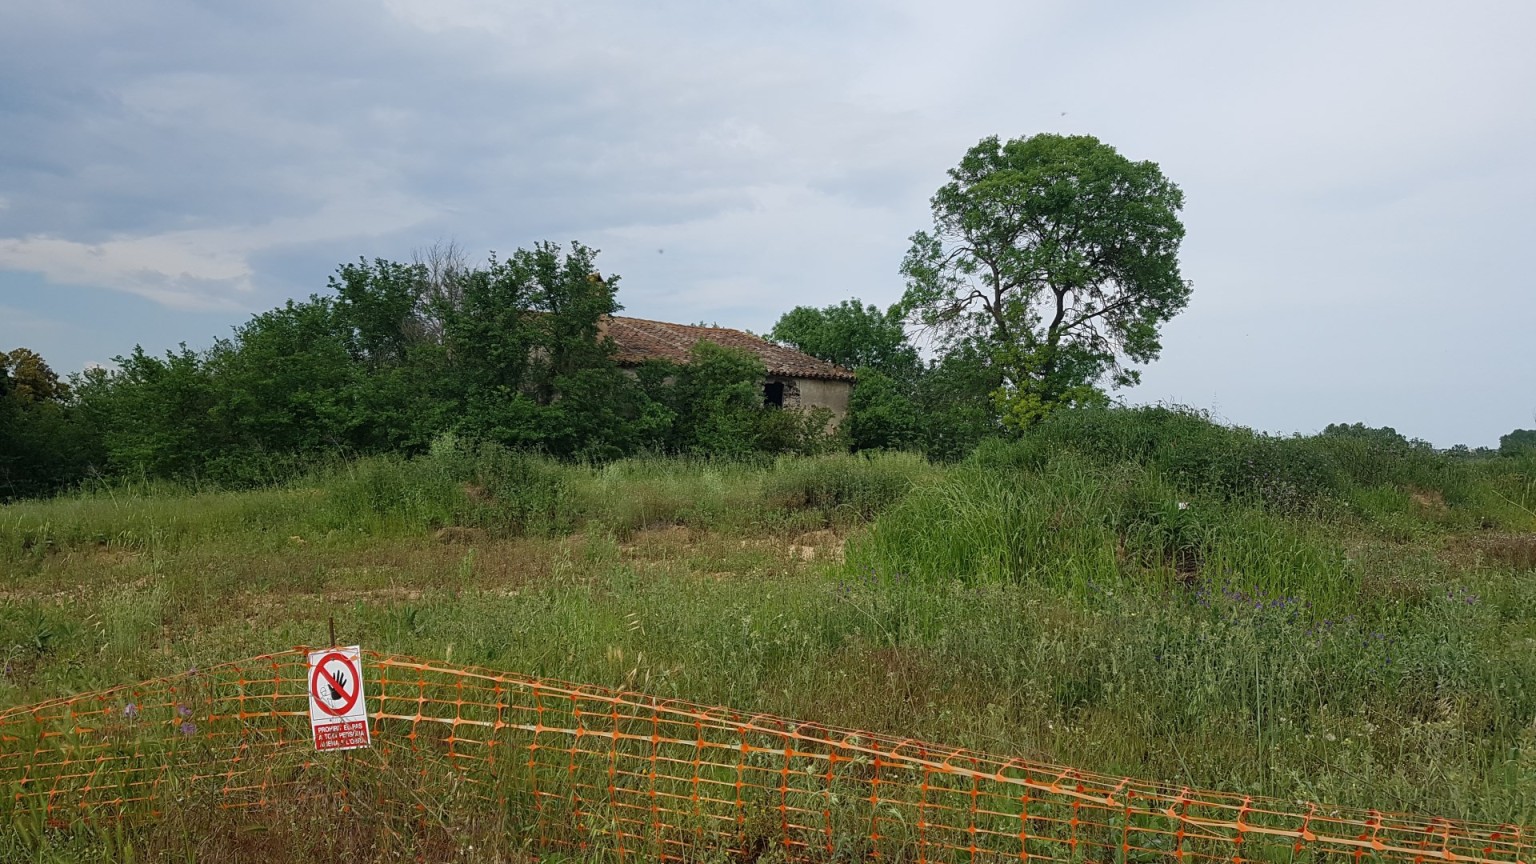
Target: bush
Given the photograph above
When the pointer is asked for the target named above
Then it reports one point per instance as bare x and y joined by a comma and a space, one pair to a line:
797, 432
390, 493
520, 493
1518, 442
1191, 450
881, 413
982, 525
1075, 526
858, 486
484, 486
1286, 474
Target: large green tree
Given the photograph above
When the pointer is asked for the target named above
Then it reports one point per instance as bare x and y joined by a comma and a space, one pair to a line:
157, 416
882, 412
1057, 259
286, 383
31, 379
527, 360
43, 446
1518, 442
851, 335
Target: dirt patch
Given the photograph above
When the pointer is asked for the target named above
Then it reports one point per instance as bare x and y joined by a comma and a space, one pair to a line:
649, 541
58, 597
817, 545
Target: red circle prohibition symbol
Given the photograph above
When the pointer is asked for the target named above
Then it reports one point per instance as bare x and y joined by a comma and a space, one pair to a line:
350, 698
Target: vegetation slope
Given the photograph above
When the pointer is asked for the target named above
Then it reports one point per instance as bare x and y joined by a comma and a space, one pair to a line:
1345, 618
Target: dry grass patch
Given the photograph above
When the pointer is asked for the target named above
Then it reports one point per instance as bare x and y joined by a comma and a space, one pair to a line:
1477, 551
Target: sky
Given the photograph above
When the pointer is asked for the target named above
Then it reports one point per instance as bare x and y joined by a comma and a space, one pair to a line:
1360, 192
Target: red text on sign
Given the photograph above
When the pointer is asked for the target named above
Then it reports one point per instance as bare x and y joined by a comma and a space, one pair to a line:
341, 736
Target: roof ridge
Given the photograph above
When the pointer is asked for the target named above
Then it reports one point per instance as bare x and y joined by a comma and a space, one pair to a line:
669, 338
675, 324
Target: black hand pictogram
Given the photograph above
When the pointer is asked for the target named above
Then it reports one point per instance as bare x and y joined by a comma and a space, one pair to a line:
336, 695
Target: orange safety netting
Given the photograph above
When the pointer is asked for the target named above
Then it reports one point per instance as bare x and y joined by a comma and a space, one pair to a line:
559, 766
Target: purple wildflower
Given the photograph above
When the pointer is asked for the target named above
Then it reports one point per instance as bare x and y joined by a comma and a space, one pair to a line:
188, 727
183, 710
131, 711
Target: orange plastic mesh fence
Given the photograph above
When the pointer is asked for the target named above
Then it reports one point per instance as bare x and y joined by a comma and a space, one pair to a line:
629, 776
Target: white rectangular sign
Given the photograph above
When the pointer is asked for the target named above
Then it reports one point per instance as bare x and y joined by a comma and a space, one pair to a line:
338, 714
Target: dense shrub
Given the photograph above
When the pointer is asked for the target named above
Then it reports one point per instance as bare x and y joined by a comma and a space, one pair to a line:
1521, 442
483, 486
1294, 474
1074, 526
1166, 497
857, 486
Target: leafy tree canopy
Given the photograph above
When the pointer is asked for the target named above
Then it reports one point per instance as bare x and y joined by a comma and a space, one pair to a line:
1384, 436
28, 378
1057, 259
851, 335
1518, 442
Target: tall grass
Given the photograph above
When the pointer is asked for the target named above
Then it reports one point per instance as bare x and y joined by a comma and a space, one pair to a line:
488, 489
1138, 592
1296, 473
1072, 526
844, 489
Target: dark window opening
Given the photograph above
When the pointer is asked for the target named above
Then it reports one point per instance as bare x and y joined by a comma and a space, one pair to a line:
773, 394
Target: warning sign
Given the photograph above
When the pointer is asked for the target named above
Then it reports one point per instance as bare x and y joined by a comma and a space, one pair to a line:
337, 711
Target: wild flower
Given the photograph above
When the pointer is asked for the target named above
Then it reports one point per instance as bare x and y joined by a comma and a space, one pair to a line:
131, 711
1460, 593
188, 727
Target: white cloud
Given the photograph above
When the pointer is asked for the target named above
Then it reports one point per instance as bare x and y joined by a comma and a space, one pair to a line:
183, 270
206, 268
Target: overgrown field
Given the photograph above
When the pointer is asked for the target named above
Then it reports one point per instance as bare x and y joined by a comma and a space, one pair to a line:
1137, 592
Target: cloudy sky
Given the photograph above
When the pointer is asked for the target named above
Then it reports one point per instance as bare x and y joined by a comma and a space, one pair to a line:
1361, 193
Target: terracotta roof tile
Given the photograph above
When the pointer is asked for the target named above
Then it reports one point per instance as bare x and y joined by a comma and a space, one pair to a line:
637, 340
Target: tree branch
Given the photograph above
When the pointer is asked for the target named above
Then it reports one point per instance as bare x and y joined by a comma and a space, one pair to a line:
1118, 304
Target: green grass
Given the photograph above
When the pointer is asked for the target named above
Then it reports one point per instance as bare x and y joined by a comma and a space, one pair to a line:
1291, 617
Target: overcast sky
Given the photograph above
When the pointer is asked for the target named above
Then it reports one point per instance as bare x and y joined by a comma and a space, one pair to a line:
1359, 176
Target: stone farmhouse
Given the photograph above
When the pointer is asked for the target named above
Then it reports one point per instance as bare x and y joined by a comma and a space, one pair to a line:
794, 380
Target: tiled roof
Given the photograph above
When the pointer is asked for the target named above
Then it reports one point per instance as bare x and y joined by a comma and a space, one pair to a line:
637, 340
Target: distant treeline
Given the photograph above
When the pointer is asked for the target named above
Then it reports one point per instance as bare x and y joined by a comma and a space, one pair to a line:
395, 354
390, 357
